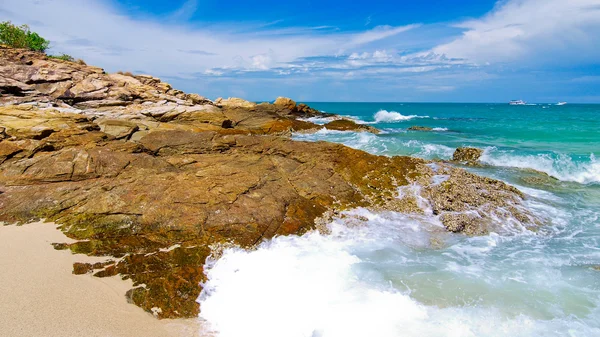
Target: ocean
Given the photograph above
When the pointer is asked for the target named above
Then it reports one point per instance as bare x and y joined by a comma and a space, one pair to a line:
403, 275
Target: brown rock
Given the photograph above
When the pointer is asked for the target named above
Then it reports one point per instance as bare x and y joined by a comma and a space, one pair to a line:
234, 102
467, 155
348, 125
285, 102
82, 268
120, 129
7, 150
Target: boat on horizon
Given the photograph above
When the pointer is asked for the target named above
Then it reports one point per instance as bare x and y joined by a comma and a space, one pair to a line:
561, 103
517, 102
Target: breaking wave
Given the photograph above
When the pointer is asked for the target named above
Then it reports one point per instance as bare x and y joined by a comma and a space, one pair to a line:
395, 275
384, 116
558, 165
320, 120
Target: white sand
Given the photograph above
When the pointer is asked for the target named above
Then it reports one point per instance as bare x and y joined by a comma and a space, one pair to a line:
39, 295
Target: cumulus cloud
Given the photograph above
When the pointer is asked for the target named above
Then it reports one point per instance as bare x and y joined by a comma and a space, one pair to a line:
531, 31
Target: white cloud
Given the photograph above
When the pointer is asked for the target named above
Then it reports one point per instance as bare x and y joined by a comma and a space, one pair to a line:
98, 33
378, 33
262, 61
186, 11
521, 33
531, 31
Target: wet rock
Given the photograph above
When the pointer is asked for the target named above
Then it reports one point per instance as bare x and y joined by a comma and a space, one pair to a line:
537, 178
473, 205
82, 268
467, 155
463, 223
348, 125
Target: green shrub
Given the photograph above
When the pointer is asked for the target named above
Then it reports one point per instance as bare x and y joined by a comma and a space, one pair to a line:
63, 57
22, 37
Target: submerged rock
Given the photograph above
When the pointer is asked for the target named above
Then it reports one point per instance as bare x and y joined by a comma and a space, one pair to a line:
468, 155
420, 128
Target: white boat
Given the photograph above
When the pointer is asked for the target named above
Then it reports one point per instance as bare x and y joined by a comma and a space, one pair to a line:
561, 103
517, 102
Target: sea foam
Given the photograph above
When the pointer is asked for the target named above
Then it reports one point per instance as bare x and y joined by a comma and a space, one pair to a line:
384, 279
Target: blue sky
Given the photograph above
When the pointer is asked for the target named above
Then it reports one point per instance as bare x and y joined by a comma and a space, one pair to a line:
419, 51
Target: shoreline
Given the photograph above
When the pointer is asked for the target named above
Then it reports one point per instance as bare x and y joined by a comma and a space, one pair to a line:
133, 167
41, 296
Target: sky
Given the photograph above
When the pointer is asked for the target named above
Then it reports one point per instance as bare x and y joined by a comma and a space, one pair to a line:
368, 51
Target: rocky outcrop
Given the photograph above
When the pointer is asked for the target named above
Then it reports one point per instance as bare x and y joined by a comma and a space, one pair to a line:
467, 155
285, 103
298, 110
234, 102
348, 125
156, 178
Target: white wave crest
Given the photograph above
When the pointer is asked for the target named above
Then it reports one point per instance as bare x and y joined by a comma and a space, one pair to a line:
440, 129
393, 116
340, 285
560, 166
320, 120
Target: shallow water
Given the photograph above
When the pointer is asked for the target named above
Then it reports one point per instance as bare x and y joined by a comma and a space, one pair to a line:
403, 275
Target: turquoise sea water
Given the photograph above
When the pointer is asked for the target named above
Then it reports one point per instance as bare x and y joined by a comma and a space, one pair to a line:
402, 275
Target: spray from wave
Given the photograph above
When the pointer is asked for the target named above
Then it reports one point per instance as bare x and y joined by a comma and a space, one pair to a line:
384, 116
385, 279
558, 165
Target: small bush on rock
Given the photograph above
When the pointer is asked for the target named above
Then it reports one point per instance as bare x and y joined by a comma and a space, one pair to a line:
63, 57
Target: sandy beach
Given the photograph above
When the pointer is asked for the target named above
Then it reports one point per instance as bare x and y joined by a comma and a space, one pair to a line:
40, 296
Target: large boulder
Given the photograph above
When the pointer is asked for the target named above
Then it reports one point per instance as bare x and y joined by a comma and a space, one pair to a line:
285, 102
467, 155
348, 125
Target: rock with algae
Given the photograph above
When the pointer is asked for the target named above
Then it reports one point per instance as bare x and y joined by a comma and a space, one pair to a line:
468, 155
